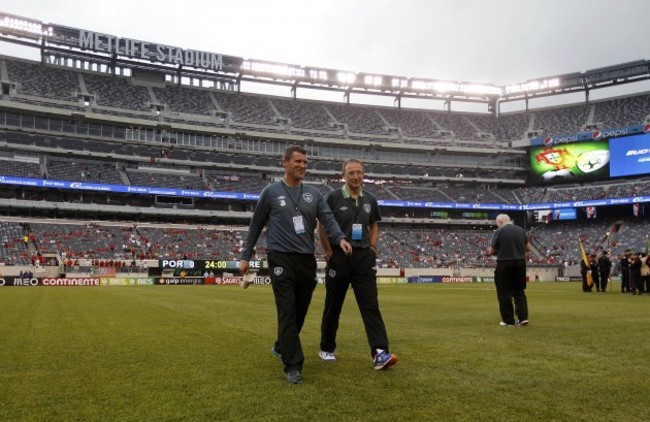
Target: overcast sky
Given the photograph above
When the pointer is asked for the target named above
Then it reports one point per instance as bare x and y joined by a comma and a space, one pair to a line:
496, 41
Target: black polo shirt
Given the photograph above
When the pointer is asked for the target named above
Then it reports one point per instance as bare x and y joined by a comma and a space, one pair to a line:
509, 241
347, 212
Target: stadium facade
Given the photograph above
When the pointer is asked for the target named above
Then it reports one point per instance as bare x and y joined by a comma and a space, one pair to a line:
106, 128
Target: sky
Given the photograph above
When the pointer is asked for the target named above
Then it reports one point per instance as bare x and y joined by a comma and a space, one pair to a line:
497, 41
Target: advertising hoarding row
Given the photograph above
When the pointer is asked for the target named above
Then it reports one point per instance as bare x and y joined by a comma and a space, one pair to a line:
125, 281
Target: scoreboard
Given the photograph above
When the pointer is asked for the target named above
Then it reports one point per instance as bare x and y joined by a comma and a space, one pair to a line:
572, 159
206, 265
570, 163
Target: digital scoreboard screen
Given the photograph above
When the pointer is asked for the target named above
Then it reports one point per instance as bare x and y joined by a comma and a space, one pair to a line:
576, 161
570, 163
213, 265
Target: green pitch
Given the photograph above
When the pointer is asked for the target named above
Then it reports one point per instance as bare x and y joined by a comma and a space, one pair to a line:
202, 353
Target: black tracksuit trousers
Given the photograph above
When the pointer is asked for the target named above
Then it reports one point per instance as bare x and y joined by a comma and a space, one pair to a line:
358, 270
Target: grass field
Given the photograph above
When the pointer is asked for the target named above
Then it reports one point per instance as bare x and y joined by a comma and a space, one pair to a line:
187, 353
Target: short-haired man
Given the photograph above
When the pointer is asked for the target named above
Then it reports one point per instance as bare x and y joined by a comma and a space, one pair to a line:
357, 213
290, 209
510, 244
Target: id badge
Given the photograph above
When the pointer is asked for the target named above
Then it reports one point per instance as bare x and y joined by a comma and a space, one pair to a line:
357, 231
298, 224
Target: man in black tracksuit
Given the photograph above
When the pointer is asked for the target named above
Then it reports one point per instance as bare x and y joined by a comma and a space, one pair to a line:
357, 213
290, 209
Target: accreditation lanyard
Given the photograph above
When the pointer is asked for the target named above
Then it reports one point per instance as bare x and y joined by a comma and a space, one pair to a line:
357, 228
298, 223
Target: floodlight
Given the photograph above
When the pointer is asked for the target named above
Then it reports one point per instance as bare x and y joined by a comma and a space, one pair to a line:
273, 69
399, 83
25, 26
373, 80
440, 87
318, 74
346, 78
445, 87
530, 86
480, 89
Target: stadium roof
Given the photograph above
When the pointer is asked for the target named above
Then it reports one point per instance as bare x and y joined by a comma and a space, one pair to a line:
84, 45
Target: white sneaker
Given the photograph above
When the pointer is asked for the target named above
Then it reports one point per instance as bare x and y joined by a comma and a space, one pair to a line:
326, 356
247, 280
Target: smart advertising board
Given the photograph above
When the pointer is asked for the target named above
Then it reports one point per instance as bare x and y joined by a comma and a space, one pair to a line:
555, 215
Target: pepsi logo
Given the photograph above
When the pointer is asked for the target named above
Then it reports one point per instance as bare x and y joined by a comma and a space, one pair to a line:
646, 128
596, 135
548, 142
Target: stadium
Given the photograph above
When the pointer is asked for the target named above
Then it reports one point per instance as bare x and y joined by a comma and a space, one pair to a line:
135, 163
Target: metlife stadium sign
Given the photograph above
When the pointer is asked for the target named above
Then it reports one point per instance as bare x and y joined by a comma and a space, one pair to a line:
153, 52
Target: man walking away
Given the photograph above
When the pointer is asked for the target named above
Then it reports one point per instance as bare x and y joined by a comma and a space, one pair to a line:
510, 244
